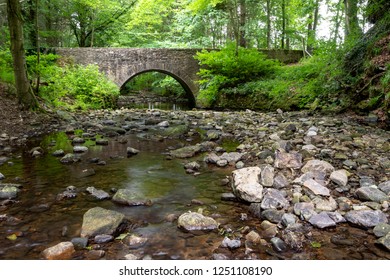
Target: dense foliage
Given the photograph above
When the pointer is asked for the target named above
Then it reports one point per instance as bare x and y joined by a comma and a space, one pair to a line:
346, 43
229, 68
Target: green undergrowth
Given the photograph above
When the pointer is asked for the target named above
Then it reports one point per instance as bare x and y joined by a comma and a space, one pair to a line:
305, 85
63, 84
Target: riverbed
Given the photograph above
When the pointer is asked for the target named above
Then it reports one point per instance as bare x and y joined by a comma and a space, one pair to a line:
53, 196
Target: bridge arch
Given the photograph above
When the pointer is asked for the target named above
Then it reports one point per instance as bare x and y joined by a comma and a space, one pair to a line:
189, 86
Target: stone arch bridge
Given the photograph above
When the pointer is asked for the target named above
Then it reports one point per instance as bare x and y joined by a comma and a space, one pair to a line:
123, 64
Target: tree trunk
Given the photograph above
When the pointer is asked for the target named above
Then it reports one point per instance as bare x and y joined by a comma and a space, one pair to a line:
268, 24
352, 28
283, 23
32, 31
23, 88
242, 23
312, 27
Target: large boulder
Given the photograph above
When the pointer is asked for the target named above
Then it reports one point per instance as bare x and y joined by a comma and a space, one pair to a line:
100, 221
246, 184
192, 221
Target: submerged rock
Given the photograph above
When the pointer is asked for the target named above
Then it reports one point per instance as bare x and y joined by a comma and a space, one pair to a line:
99, 194
100, 221
130, 198
192, 221
186, 152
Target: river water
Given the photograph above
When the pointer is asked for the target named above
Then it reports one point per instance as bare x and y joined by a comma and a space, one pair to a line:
38, 219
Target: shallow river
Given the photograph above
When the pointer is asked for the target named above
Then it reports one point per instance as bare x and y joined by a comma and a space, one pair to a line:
40, 220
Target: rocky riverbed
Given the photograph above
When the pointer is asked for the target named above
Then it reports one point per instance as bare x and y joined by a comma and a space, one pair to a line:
300, 186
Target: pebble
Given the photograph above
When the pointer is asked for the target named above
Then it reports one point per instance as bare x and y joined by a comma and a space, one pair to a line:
231, 243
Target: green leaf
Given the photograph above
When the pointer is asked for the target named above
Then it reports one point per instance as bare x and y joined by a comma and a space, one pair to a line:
12, 237
315, 244
122, 236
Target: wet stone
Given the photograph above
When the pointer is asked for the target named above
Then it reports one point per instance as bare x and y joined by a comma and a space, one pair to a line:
130, 198
103, 238
80, 149
95, 254
186, 152
131, 151
78, 140
100, 221
69, 159
9, 191
58, 153
191, 221
99, 194
79, 242
228, 197
102, 142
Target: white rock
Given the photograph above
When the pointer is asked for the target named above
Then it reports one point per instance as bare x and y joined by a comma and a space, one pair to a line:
246, 184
